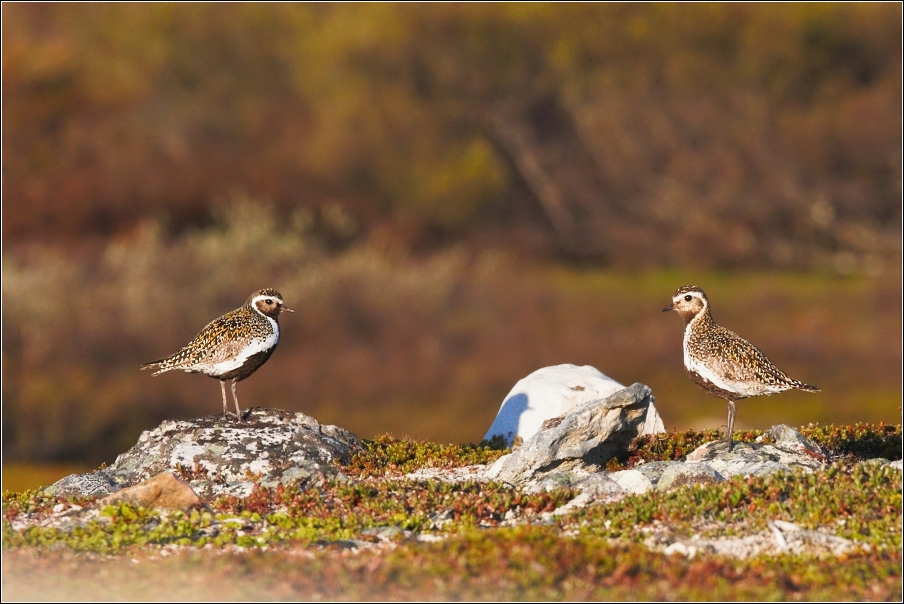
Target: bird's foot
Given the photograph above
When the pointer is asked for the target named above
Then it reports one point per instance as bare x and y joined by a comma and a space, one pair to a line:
238, 418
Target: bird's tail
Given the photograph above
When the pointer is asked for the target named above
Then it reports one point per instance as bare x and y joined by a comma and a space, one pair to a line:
801, 386
162, 366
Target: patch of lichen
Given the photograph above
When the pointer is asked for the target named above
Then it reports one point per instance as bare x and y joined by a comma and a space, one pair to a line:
386, 455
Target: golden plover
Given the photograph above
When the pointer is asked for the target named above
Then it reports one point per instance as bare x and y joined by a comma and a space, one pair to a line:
233, 346
720, 361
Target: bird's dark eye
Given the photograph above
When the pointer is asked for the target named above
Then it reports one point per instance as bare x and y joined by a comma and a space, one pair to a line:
688, 297
268, 301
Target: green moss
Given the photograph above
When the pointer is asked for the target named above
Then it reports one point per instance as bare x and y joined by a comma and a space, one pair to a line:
387, 455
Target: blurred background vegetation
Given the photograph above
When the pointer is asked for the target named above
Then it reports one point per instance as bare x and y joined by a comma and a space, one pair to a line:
451, 196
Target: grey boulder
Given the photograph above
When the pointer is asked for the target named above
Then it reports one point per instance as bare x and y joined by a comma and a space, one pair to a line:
586, 438
216, 456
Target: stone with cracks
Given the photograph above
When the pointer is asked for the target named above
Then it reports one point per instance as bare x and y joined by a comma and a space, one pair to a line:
553, 392
780, 449
217, 456
587, 437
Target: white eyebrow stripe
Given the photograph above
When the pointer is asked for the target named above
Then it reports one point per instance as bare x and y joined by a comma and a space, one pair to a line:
257, 299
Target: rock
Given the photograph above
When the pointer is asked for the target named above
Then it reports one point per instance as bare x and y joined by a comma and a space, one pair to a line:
164, 492
217, 456
632, 481
589, 435
593, 486
791, 450
788, 439
790, 537
897, 465
685, 474
784, 538
653, 469
552, 392
388, 533
598, 484
643, 477
90, 484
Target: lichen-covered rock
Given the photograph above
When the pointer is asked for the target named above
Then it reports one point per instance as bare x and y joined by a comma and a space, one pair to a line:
89, 484
553, 392
686, 474
589, 435
788, 450
787, 438
218, 456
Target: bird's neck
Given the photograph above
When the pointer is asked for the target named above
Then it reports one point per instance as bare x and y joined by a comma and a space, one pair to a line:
702, 319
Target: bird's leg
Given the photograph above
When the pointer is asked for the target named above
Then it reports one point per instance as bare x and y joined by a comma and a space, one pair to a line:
223, 388
731, 412
238, 412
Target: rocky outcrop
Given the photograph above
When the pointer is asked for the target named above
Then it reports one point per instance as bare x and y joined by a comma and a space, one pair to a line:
553, 392
587, 437
780, 449
571, 451
217, 456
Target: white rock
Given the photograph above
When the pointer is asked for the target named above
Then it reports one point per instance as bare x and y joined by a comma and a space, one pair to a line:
588, 436
632, 481
552, 392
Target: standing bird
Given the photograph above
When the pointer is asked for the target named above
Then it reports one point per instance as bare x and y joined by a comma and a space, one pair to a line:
720, 361
233, 346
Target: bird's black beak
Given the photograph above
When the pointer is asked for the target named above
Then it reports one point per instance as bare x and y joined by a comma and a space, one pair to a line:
283, 309
669, 307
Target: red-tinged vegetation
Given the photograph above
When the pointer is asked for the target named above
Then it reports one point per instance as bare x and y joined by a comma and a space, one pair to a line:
856, 441
510, 565
412, 505
387, 455
363, 540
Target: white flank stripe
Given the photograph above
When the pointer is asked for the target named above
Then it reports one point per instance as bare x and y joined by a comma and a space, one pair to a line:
253, 348
750, 388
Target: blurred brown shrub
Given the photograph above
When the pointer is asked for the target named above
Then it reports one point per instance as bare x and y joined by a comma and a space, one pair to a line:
720, 135
419, 345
